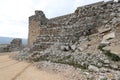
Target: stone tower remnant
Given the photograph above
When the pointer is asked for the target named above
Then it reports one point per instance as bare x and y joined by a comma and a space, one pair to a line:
35, 22
67, 29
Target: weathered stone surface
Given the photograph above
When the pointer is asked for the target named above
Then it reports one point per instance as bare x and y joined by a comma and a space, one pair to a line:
35, 22
113, 49
106, 61
110, 35
15, 45
78, 39
99, 17
105, 42
65, 48
3, 47
82, 47
104, 30
73, 47
93, 68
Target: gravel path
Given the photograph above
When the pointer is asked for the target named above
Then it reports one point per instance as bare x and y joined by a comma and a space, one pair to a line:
14, 70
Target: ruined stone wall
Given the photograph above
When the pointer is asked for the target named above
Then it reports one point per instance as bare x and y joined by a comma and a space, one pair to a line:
67, 29
35, 22
3, 48
15, 45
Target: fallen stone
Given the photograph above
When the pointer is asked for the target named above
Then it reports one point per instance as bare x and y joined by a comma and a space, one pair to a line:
105, 42
64, 48
106, 61
113, 49
114, 66
82, 47
93, 68
109, 36
99, 64
104, 30
73, 47
103, 70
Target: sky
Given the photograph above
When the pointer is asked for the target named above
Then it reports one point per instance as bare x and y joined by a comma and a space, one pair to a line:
14, 13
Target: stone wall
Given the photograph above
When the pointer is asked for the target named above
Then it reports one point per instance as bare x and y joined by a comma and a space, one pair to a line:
15, 45
3, 48
35, 22
67, 29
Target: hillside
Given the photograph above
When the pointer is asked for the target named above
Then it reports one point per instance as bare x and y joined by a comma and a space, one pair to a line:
7, 40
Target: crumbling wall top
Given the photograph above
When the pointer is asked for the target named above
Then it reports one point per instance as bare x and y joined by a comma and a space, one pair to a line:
38, 12
39, 16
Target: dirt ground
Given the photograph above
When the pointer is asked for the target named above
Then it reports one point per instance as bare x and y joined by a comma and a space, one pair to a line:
15, 70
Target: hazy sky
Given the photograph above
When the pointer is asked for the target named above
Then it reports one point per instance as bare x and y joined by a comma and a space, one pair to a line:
14, 13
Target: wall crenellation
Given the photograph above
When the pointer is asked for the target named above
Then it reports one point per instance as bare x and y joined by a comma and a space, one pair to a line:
66, 29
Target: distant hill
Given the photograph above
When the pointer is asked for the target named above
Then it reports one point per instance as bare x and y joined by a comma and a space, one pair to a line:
7, 40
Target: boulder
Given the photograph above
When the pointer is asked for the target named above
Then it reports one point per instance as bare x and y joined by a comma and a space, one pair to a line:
73, 47
93, 68
64, 48
108, 36
82, 47
105, 42
103, 30
114, 66
106, 61
113, 49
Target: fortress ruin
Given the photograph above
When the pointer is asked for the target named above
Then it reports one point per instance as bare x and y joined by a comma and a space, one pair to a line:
88, 38
67, 29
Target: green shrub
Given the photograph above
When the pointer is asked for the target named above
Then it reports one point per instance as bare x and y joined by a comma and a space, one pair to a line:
112, 56
104, 79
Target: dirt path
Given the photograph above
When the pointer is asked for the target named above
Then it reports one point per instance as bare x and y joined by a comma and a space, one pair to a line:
14, 70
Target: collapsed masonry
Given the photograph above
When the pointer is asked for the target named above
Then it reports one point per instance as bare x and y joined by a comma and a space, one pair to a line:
15, 45
88, 39
69, 28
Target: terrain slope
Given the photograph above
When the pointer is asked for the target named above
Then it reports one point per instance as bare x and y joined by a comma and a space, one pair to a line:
15, 70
